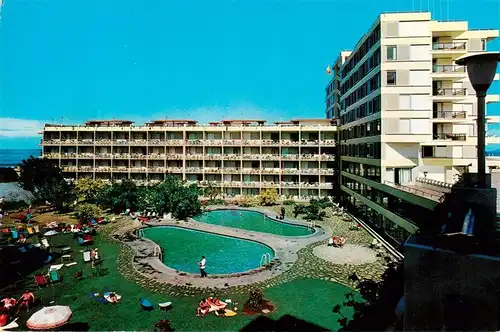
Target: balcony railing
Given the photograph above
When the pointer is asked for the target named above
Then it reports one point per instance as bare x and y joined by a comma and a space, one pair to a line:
120, 142
194, 156
194, 142
450, 114
248, 170
231, 170
194, 170
232, 142
451, 46
251, 156
156, 169
450, 137
121, 156
215, 170
451, 92
438, 69
156, 156
213, 156
289, 143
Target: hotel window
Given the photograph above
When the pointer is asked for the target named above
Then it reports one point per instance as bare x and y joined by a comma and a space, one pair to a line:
391, 78
392, 53
483, 44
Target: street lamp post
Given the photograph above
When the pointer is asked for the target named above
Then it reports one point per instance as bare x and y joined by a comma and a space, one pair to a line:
481, 70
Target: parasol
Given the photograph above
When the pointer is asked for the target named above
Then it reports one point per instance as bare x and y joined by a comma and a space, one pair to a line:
49, 318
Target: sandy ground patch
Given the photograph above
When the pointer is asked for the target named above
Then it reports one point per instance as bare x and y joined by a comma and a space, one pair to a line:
349, 254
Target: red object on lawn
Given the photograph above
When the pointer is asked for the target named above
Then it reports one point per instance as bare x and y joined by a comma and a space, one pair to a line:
19, 216
40, 280
142, 218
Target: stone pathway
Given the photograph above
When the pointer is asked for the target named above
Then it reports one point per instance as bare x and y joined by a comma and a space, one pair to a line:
306, 263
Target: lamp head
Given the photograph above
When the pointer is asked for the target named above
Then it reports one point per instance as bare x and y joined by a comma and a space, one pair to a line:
481, 68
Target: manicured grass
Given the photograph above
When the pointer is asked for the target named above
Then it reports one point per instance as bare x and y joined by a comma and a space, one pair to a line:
309, 299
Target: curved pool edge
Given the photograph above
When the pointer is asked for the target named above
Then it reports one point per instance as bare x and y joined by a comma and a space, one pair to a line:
158, 273
286, 221
274, 261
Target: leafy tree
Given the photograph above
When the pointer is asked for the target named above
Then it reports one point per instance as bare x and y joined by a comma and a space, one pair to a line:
376, 311
38, 172
87, 211
58, 192
268, 196
312, 211
298, 209
119, 196
187, 204
211, 191
87, 189
248, 201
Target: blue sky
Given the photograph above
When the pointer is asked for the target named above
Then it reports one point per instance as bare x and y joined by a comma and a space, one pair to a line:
206, 60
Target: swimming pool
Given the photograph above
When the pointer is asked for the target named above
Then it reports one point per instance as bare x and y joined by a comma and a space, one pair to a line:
252, 221
183, 248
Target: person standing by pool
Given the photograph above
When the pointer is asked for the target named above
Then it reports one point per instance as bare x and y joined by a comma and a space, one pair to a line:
282, 212
203, 265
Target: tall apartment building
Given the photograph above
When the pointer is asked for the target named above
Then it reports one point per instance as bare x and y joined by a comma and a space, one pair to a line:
332, 90
239, 156
407, 128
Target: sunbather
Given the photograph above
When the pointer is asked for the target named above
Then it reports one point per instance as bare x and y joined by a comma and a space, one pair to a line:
8, 303
113, 298
203, 308
26, 300
215, 303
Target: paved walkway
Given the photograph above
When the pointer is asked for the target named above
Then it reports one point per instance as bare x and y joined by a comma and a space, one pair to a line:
349, 254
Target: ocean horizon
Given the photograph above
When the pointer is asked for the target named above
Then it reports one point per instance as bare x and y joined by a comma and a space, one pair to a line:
12, 157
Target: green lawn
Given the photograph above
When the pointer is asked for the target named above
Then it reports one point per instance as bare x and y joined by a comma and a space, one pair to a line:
309, 299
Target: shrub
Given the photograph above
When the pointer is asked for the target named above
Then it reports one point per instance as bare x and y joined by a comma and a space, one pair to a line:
289, 202
87, 189
268, 196
87, 211
14, 205
256, 298
248, 201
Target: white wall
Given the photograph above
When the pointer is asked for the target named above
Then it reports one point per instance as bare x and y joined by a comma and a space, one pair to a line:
414, 29
420, 52
419, 78
400, 151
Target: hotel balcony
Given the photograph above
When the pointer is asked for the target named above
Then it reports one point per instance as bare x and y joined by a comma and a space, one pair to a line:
231, 157
194, 157
449, 137
156, 142
138, 169
251, 156
138, 156
174, 169
232, 142
69, 142
156, 169
105, 142
256, 142
309, 171
174, 142
194, 170
231, 170
51, 142
329, 142
449, 116
213, 157
449, 49
121, 156
103, 155
213, 170
139, 142
194, 142
268, 142
175, 156
327, 171
102, 169
291, 171
68, 155
121, 169
449, 94
83, 168
290, 185
71, 168
448, 72
270, 157
266, 184
289, 143
232, 184
271, 171
213, 142
156, 156
120, 142
247, 170
327, 157
250, 184
291, 157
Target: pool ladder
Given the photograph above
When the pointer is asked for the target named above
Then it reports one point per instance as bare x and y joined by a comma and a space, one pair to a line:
140, 233
265, 259
311, 224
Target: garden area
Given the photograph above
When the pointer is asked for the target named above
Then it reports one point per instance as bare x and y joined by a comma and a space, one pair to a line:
328, 296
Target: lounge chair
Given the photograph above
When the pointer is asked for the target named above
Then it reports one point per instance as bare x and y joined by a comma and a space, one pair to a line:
45, 243
146, 304
86, 256
55, 276
40, 280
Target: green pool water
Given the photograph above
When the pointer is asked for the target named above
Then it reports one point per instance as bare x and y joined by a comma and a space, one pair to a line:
252, 221
183, 248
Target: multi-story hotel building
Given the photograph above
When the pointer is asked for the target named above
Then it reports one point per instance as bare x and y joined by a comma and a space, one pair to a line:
240, 156
407, 118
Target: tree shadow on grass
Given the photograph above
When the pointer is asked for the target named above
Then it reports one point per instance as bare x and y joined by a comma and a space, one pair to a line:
285, 323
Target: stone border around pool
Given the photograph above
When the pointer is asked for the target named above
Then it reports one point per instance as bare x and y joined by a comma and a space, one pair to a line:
286, 221
285, 248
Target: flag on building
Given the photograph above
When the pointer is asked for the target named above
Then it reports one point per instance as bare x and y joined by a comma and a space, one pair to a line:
328, 70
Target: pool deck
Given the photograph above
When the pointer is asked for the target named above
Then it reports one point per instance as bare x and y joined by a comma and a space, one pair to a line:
285, 249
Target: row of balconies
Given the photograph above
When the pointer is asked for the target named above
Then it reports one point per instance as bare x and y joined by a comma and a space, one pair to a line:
450, 92
180, 142
305, 157
200, 170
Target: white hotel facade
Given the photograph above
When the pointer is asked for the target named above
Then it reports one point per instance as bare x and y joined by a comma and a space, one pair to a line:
407, 117
241, 157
